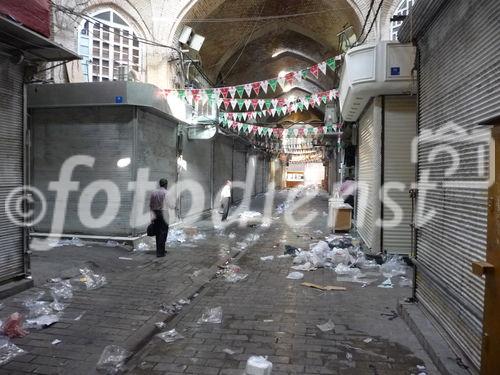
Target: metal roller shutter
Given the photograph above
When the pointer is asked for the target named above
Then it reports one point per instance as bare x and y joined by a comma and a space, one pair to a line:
223, 164
11, 166
368, 203
198, 155
58, 134
259, 174
399, 131
239, 169
463, 95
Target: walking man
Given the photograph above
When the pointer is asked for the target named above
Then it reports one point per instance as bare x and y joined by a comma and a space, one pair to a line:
225, 198
159, 203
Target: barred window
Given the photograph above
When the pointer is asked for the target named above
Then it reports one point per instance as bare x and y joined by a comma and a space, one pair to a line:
109, 46
402, 9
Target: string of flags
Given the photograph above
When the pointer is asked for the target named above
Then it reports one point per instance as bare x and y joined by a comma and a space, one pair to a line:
279, 132
232, 92
280, 106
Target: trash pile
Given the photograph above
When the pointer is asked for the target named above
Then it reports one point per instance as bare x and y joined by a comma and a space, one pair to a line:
75, 241
342, 254
41, 311
187, 236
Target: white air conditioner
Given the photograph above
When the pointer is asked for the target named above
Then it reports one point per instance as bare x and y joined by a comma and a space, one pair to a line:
374, 70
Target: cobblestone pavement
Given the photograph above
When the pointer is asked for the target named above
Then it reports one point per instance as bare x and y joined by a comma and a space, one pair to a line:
124, 311
270, 315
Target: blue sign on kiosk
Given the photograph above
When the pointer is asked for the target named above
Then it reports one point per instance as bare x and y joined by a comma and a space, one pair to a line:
118, 99
395, 71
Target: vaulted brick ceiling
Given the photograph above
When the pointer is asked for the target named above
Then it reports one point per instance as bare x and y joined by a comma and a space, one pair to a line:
242, 51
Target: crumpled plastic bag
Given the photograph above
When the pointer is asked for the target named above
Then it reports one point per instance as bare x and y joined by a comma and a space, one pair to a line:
340, 256
232, 274
266, 258
8, 351
142, 246
91, 279
211, 315
295, 275
325, 327
42, 321
394, 266
170, 336
13, 326
176, 235
38, 308
62, 291
307, 266
112, 359
387, 284
342, 269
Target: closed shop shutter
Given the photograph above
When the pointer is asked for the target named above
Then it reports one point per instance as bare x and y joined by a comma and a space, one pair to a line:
368, 204
464, 96
58, 134
399, 132
259, 164
239, 169
11, 167
198, 155
223, 164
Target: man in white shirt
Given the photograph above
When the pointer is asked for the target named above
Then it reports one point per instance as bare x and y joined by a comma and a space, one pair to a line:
225, 199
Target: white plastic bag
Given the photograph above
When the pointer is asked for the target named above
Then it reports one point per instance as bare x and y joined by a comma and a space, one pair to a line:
295, 275
170, 336
112, 359
211, 315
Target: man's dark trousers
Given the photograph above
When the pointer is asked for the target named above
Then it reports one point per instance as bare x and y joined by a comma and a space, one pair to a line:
225, 207
161, 231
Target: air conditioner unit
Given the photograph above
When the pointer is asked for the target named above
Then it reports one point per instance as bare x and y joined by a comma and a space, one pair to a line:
373, 70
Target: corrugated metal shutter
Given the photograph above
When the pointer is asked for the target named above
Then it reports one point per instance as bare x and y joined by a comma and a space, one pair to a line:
198, 155
11, 166
223, 164
105, 133
239, 169
464, 95
399, 132
259, 174
368, 203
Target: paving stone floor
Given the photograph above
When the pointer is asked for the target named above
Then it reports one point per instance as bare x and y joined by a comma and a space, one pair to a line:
266, 314
270, 315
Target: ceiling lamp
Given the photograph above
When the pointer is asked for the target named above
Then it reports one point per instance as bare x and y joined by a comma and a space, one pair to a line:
189, 38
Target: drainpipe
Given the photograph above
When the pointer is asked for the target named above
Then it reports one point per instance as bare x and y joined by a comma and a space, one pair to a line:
414, 192
382, 158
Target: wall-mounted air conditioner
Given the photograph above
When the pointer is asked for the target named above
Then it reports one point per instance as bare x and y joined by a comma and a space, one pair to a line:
374, 70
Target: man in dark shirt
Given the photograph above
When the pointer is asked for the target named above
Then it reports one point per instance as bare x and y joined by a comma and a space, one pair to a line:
159, 203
